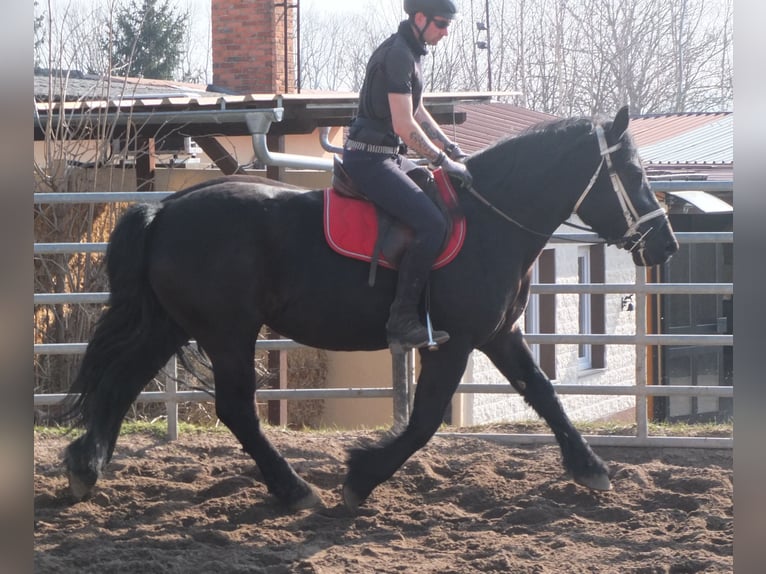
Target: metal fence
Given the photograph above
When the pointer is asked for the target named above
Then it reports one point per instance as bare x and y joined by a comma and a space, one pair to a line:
402, 392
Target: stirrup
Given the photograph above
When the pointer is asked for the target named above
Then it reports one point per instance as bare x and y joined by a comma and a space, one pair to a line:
431, 339
398, 346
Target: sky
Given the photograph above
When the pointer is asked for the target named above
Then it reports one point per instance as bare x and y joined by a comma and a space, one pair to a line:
334, 5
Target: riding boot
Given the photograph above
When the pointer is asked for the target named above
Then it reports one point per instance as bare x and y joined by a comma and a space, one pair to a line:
404, 329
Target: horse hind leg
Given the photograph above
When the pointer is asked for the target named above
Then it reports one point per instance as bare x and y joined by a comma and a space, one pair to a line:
235, 406
118, 363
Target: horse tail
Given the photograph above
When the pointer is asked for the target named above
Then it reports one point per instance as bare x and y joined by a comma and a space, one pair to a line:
133, 338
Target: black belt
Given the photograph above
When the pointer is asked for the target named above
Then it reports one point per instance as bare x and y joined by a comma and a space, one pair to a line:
371, 148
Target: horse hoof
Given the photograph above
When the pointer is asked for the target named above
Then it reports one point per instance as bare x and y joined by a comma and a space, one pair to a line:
77, 488
351, 499
595, 482
311, 500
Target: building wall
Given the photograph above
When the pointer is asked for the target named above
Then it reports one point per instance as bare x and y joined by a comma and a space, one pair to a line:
115, 178
365, 369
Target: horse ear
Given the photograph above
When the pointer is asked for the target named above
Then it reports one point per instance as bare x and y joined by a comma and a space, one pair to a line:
620, 123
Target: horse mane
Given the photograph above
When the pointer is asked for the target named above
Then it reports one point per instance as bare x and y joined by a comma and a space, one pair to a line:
511, 157
538, 135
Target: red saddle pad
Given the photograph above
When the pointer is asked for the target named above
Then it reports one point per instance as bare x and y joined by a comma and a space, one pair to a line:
351, 225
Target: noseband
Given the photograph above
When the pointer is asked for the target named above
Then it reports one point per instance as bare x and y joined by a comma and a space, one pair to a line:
632, 219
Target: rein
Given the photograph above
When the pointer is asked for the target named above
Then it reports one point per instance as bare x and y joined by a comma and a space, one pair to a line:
629, 212
501, 213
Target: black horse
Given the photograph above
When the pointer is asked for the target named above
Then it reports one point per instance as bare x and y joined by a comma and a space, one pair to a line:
217, 261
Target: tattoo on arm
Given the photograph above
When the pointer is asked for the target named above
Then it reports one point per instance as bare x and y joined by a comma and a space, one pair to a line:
434, 133
422, 146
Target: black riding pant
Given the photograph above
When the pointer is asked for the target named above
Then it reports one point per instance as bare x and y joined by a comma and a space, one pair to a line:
384, 180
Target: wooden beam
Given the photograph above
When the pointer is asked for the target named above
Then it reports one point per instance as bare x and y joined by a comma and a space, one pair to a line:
145, 164
220, 156
276, 144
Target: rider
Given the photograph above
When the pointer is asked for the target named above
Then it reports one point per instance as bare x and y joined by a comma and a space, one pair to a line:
390, 117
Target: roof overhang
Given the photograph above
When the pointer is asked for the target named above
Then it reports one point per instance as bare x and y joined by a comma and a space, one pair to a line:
224, 115
704, 201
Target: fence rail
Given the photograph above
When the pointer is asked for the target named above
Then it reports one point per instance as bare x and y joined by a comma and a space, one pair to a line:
172, 396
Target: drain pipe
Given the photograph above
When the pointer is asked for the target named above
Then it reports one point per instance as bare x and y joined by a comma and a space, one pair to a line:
259, 122
324, 139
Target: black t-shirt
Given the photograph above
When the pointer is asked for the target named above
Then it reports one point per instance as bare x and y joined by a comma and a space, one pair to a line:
394, 67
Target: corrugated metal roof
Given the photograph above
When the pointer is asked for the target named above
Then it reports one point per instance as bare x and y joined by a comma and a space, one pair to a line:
685, 139
485, 123
705, 202
652, 128
711, 143
76, 86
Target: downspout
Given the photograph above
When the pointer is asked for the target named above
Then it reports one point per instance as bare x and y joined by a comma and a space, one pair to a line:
259, 122
324, 139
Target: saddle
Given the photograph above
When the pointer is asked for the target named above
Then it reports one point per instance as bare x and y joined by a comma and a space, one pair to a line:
356, 228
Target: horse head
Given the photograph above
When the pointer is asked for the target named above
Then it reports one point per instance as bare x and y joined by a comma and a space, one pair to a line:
619, 203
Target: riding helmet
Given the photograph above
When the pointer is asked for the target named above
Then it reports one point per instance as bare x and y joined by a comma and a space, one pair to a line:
441, 8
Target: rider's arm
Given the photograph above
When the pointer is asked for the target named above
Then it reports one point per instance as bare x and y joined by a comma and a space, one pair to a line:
407, 128
431, 128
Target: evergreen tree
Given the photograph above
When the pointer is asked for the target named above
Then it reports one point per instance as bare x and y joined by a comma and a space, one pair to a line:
149, 39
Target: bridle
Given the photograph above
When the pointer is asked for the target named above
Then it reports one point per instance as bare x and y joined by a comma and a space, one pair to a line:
632, 218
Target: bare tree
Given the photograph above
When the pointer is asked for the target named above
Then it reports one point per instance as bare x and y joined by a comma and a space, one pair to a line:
328, 61
75, 155
335, 47
700, 42
566, 57
196, 51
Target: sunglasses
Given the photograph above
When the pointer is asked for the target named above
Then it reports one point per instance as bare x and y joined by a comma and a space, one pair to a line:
441, 24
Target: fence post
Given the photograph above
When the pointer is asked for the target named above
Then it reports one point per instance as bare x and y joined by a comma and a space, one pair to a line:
410, 380
400, 391
642, 422
171, 400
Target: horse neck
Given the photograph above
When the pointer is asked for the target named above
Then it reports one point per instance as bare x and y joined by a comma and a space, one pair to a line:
537, 189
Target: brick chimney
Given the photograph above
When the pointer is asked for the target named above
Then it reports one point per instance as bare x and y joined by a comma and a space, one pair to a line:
249, 45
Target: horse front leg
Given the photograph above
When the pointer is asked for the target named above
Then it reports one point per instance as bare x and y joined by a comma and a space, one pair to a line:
440, 373
510, 354
235, 406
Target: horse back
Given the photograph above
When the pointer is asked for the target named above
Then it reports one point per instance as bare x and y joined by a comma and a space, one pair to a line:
230, 230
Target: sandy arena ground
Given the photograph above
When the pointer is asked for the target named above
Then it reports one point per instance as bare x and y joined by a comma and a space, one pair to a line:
460, 505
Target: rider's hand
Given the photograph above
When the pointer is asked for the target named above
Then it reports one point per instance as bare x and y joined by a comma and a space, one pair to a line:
454, 152
456, 169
